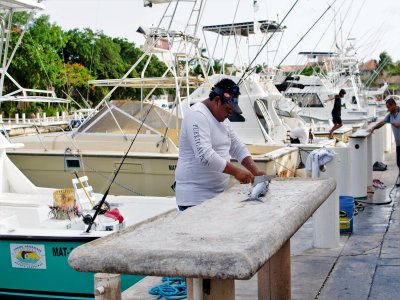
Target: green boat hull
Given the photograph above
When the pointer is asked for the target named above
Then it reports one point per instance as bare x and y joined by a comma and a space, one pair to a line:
38, 268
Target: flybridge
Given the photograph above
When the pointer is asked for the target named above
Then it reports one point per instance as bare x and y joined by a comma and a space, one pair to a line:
20, 5
20, 94
245, 28
314, 54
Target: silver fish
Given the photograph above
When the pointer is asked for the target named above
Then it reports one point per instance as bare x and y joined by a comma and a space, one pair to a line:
258, 190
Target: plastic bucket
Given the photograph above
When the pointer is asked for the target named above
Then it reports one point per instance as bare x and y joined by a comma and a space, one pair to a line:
346, 214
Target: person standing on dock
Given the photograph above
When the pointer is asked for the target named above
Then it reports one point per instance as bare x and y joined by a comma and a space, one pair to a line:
392, 118
206, 144
337, 112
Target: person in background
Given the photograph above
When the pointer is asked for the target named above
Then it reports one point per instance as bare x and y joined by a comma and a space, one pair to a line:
392, 118
299, 135
206, 144
337, 112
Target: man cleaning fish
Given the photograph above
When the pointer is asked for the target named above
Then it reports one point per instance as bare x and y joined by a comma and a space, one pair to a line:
206, 144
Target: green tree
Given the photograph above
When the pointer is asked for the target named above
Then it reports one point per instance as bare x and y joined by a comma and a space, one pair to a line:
37, 63
385, 61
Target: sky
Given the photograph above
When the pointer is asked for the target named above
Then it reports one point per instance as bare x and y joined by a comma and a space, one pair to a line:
371, 26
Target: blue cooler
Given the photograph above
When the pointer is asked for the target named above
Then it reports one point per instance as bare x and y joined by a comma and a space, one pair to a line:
346, 214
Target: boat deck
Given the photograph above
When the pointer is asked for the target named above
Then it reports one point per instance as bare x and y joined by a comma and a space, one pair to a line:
365, 266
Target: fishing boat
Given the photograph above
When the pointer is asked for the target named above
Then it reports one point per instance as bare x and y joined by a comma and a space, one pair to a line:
39, 227
312, 93
96, 150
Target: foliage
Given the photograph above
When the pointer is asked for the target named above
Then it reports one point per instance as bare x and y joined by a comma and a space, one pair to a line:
385, 61
49, 58
311, 70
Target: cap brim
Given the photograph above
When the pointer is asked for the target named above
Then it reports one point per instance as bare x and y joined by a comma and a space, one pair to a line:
235, 107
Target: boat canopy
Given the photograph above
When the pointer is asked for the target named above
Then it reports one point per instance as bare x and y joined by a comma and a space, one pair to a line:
44, 99
20, 5
245, 28
153, 31
129, 115
149, 82
151, 2
314, 54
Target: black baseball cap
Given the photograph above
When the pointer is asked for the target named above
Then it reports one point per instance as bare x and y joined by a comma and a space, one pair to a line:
229, 92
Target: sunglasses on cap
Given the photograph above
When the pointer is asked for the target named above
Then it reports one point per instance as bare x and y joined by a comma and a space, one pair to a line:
230, 96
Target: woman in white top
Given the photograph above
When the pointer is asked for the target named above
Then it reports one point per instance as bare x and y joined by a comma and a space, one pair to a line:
206, 144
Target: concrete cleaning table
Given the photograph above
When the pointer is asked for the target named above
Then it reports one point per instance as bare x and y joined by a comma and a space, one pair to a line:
223, 239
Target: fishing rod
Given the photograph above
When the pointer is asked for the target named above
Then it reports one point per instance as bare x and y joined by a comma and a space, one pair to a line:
315, 23
88, 219
265, 44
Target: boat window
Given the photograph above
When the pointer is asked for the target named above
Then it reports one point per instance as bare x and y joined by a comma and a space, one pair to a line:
72, 163
305, 99
282, 113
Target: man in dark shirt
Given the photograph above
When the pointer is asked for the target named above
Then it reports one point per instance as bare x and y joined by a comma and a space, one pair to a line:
336, 113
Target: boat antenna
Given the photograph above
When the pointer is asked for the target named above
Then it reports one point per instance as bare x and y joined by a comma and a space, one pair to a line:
312, 26
247, 72
88, 219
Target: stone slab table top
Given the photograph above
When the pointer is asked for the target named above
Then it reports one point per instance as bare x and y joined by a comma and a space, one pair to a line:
222, 238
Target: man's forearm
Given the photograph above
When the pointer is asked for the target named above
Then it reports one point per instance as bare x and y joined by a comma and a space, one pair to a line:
379, 125
250, 165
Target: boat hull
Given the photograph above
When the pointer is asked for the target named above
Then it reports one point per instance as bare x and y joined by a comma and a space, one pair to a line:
47, 274
150, 175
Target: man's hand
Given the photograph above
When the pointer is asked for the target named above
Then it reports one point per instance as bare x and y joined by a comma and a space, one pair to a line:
241, 175
244, 176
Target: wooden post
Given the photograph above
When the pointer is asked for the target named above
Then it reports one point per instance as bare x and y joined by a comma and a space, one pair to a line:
274, 276
194, 288
189, 288
218, 289
107, 286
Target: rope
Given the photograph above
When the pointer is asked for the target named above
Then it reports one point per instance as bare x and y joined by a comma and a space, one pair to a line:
173, 288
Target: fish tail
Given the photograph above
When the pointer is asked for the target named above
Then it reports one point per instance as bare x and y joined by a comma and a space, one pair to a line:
252, 199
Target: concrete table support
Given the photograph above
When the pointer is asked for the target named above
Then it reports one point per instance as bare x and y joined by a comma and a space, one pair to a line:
223, 240
274, 276
107, 286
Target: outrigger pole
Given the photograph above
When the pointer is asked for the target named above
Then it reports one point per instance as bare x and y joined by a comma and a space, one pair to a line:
246, 72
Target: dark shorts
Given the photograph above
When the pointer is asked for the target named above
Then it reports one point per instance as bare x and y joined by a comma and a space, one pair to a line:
336, 119
294, 141
398, 156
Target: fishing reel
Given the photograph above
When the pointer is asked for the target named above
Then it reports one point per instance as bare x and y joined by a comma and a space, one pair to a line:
103, 209
88, 218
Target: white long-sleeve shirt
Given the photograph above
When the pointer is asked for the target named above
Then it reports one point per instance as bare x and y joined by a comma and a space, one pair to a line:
205, 147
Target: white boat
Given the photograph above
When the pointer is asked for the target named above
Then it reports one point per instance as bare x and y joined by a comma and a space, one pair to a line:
312, 93
97, 147
37, 232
